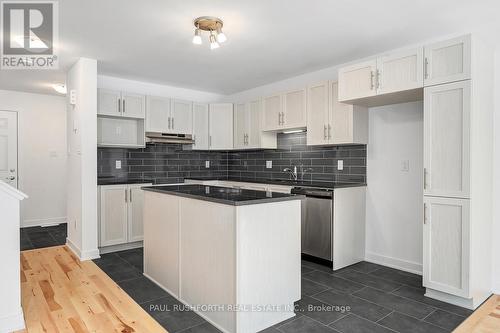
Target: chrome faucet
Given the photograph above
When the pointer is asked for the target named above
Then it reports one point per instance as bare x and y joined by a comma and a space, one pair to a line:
293, 172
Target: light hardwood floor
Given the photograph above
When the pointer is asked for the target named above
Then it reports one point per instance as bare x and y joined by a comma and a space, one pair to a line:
486, 319
62, 294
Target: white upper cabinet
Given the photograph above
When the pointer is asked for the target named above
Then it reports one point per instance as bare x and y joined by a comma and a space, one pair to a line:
447, 139
248, 132
241, 123
294, 109
181, 117
109, 102
120, 104
400, 70
157, 114
273, 110
318, 113
446, 245
200, 126
220, 126
447, 61
358, 81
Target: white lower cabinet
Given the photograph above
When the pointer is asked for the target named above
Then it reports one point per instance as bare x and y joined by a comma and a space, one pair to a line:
120, 214
446, 245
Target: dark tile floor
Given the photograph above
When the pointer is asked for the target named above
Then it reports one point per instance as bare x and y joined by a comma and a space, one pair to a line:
38, 237
363, 298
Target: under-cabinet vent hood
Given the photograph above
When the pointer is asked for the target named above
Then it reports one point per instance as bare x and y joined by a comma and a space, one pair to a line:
156, 137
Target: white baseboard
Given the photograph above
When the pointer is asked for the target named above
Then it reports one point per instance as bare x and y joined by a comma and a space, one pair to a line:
121, 247
496, 288
13, 322
404, 265
43, 222
83, 255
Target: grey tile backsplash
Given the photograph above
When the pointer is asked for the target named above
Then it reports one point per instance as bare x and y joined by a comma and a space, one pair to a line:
171, 163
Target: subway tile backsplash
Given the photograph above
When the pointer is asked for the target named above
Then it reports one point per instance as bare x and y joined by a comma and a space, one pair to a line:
171, 163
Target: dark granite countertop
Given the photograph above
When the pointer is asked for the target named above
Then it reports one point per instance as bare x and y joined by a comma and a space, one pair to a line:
285, 182
121, 180
223, 195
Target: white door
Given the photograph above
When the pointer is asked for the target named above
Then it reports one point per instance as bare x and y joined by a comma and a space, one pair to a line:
294, 109
240, 125
182, 117
446, 245
157, 114
272, 110
135, 212
8, 147
109, 102
399, 71
340, 128
133, 105
447, 61
113, 215
318, 109
200, 126
221, 126
254, 120
357, 81
447, 139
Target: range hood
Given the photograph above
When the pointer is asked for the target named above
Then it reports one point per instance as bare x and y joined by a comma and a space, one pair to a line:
156, 137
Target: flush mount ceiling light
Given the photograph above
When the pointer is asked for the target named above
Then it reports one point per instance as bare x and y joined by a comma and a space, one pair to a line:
214, 26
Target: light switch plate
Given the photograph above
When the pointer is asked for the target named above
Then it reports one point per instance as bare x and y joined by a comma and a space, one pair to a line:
72, 97
269, 164
340, 165
405, 165
118, 164
207, 164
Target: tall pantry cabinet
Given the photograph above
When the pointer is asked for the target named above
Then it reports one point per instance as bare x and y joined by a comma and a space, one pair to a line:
458, 138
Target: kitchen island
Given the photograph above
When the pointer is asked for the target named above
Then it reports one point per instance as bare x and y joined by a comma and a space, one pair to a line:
233, 255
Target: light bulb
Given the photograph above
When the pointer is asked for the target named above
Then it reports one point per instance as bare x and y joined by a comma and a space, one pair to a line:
213, 43
60, 88
197, 38
221, 37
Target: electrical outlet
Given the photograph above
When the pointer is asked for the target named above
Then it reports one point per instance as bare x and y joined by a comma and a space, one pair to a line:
207, 164
118, 130
405, 165
340, 165
269, 164
118, 164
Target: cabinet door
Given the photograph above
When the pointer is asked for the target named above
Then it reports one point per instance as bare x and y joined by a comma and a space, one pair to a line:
340, 130
295, 109
447, 61
254, 120
108, 102
133, 105
357, 81
157, 114
399, 71
221, 126
446, 245
272, 109
447, 139
200, 126
135, 212
113, 215
318, 108
182, 117
240, 125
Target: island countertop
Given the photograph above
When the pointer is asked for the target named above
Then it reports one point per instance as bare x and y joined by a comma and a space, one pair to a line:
223, 195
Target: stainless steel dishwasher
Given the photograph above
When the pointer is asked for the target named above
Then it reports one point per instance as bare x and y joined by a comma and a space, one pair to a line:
317, 210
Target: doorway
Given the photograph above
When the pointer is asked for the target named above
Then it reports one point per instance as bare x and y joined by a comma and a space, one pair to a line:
8, 148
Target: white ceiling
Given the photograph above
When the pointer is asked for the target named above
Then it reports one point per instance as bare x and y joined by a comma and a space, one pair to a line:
269, 40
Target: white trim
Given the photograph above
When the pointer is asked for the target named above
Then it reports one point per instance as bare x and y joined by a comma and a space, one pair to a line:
469, 303
403, 265
43, 222
85, 255
13, 322
121, 247
12, 191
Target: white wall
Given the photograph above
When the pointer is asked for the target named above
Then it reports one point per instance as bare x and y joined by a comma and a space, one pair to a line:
394, 197
82, 160
153, 89
42, 155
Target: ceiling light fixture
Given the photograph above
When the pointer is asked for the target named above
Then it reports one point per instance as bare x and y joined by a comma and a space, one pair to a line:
60, 88
214, 26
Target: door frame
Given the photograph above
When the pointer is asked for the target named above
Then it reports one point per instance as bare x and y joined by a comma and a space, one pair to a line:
17, 143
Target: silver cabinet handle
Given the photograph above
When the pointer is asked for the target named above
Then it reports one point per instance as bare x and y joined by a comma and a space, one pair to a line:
130, 196
426, 68
126, 195
124, 105
377, 79
173, 122
425, 213
210, 141
119, 105
279, 118
329, 131
372, 76
425, 178
282, 118
168, 122
325, 135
